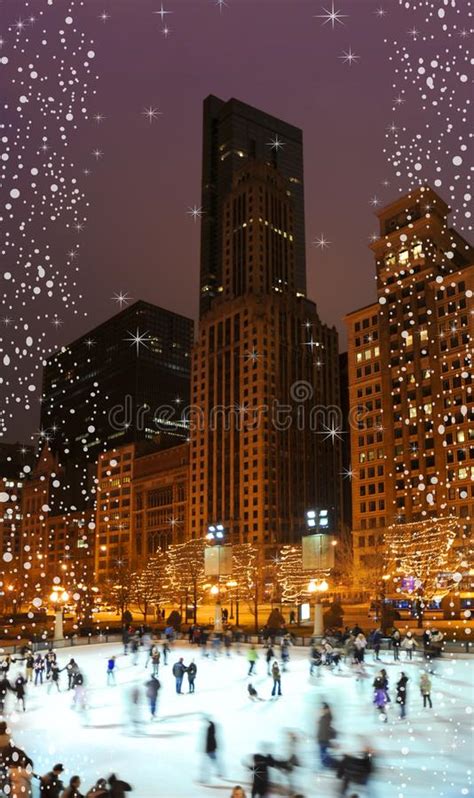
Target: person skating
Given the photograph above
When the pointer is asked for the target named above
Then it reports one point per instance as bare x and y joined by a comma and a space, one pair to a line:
325, 735
152, 688
54, 677
99, 790
155, 659
166, 651
269, 656
20, 690
210, 752
356, 769
402, 694
111, 666
51, 785
179, 669
253, 695
376, 640
228, 642
315, 661
72, 791
20, 771
252, 657
192, 671
425, 689
260, 776
38, 668
409, 644
135, 648
30, 663
380, 696
5, 686
396, 643
276, 676
117, 787
285, 653
71, 669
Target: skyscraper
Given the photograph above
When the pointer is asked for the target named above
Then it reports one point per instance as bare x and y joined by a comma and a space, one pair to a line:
234, 134
266, 433
123, 382
410, 376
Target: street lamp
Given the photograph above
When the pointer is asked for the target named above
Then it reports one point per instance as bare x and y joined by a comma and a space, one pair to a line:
58, 597
232, 583
317, 589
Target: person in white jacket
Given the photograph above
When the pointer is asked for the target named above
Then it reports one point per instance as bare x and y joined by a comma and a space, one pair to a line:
409, 644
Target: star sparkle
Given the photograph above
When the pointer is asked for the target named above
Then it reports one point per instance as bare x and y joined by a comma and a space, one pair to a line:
321, 242
196, 212
331, 433
332, 16
138, 339
348, 57
151, 114
162, 13
121, 298
275, 143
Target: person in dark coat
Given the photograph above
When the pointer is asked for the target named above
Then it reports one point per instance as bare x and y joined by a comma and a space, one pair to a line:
152, 689
210, 751
71, 669
396, 643
73, 790
355, 769
19, 688
179, 669
51, 785
260, 776
402, 693
117, 787
192, 671
325, 734
270, 655
55, 671
5, 686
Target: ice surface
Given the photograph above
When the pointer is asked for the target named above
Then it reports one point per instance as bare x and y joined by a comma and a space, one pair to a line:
428, 754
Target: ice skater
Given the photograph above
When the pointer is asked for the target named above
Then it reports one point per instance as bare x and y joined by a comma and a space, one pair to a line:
402, 694
210, 758
38, 668
253, 695
425, 689
20, 690
152, 689
192, 671
111, 668
179, 669
269, 656
252, 657
276, 676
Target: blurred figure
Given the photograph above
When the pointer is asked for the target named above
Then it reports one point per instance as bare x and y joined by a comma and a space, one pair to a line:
99, 790
51, 785
152, 688
253, 695
73, 790
20, 689
133, 709
111, 663
252, 657
425, 689
276, 676
380, 695
192, 671
20, 773
325, 735
269, 656
396, 643
402, 694
117, 787
409, 644
210, 759
238, 792
357, 769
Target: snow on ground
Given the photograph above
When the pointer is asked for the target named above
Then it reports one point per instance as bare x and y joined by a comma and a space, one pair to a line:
429, 754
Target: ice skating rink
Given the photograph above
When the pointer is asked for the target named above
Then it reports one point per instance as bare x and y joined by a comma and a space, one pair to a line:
428, 754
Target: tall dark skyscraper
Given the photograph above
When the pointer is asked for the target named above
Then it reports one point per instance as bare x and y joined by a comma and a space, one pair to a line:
265, 373
123, 382
235, 133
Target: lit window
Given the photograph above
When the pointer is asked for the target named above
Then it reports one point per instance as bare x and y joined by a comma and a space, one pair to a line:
462, 473
428, 408
409, 340
403, 256
359, 357
418, 251
423, 335
412, 412
376, 351
461, 436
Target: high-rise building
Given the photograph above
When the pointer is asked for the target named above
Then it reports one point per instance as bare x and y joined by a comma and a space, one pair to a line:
141, 505
16, 461
265, 437
125, 381
410, 376
235, 134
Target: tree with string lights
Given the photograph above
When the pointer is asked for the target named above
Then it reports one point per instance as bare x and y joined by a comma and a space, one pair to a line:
424, 560
185, 573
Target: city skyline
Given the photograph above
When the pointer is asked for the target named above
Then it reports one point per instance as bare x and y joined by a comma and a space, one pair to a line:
139, 171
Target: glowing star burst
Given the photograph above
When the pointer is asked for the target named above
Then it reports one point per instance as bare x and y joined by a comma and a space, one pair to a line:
138, 339
380, 12
331, 433
195, 212
151, 114
97, 154
348, 57
321, 242
348, 473
121, 298
162, 13
331, 16
220, 4
104, 16
275, 143
392, 128
252, 355
374, 201
166, 31
98, 118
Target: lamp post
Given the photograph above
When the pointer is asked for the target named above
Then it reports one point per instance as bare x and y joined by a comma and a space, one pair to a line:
58, 597
217, 610
233, 584
317, 589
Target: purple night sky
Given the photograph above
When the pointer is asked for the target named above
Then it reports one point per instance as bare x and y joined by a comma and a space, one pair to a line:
274, 54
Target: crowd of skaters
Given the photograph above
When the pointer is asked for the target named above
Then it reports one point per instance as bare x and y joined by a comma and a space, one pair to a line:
349, 647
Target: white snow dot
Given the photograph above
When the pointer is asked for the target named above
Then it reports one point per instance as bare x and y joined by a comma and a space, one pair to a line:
54, 187
4, 496
68, 20
14, 193
91, 54
8, 556
457, 160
